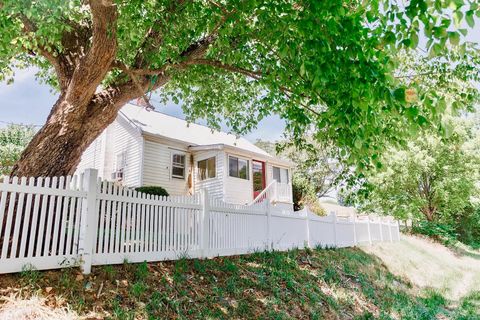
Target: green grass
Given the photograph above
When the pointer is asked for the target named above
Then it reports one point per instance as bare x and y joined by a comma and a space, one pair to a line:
313, 284
455, 272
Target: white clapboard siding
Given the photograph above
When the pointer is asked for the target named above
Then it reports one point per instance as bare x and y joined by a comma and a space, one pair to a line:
157, 167
213, 185
119, 137
41, 225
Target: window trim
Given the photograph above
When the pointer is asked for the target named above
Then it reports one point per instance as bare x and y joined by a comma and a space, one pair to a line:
280, 173
123, 156
179, 153
238, 171
206, 169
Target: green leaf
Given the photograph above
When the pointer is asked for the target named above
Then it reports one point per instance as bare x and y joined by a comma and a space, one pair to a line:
469, 18
454, 38
399, 94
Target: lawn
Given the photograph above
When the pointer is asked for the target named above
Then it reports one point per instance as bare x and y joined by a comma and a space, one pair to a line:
454, 271
313, 284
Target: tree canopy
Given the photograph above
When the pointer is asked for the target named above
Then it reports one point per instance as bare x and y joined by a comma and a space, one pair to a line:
329, 68
434, 179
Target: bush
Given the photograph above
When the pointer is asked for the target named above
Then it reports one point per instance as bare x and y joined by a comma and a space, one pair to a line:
468, 227
303, 192
316, 208
436, 230
153, 190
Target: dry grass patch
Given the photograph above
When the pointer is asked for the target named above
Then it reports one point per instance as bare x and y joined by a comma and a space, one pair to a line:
15, 307
429, 264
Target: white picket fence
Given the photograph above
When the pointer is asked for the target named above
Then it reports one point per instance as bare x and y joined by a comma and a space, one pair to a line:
49, 223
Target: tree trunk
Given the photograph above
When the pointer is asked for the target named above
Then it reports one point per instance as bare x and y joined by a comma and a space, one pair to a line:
56, 149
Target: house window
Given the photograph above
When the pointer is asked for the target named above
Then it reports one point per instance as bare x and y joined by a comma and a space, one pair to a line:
178, 165
280, 174
238, 168
120, 164
207, 168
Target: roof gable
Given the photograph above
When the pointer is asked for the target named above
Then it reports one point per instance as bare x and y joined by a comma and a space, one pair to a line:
160, 124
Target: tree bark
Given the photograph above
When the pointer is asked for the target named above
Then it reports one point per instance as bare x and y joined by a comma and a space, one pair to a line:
80, 115
57, 148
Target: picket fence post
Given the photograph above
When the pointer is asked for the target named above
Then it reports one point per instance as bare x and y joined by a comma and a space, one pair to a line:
398, 231
369, 231
88, 220
380, 223
390, 229
307, 222
354, 230
269, 225
334, 217
204, 223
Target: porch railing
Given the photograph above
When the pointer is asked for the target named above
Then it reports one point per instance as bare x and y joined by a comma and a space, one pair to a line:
275, 192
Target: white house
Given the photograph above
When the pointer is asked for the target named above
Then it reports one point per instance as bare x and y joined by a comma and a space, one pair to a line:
148, 148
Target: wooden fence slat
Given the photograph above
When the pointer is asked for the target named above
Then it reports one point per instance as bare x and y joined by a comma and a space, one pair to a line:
76, 229
51, 205
123, 223
56, 228
64, 219
19, 214
129, 226
3, 201
8, 225
27, 228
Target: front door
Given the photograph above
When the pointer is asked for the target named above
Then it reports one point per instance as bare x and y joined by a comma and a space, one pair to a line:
258, 168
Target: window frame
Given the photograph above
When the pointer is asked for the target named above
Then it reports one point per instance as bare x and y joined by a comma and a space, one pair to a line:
123, 156
206, 169
280, 174
238, 168
175, 165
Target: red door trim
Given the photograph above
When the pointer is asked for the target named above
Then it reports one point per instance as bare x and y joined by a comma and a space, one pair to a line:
264, 177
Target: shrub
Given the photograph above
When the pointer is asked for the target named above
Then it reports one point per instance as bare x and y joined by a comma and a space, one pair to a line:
316, 208
153, 190
436, 230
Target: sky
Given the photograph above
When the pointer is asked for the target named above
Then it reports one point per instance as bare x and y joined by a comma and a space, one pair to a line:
27, 101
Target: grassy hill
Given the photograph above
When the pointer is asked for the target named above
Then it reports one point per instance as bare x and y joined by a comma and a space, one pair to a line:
314, 284
454, 272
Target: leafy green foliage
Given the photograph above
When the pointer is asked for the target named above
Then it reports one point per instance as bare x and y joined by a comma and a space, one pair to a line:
433, 181
13, 139
327, 67
153, 190
315, 173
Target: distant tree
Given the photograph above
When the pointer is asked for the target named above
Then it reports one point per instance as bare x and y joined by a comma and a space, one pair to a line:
317, 168
13, 140
434, 179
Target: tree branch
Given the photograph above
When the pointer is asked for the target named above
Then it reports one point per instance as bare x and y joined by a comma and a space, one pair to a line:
257, 75
95, 64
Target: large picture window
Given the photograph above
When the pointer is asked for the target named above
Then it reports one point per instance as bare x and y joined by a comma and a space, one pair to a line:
280, 174
178, 165
238, 168
207, 168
